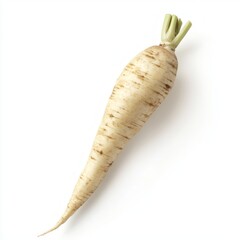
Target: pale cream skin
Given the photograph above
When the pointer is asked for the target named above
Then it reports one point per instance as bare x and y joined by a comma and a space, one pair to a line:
140, 89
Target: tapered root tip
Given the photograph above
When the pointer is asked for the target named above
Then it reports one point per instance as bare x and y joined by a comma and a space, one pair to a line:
68, 213
50, 230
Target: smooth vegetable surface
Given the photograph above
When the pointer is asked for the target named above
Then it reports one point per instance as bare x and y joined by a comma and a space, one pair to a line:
140, 89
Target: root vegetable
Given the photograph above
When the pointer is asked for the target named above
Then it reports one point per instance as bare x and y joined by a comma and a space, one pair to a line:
140, 89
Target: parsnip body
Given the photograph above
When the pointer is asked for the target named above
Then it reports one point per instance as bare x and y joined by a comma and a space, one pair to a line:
141, 87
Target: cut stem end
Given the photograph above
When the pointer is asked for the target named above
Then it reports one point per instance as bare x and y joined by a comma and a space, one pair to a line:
172, 34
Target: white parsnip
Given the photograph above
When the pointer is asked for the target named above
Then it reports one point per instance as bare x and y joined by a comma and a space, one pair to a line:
140, 89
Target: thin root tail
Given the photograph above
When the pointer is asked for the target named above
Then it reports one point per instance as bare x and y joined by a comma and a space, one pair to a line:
52, 229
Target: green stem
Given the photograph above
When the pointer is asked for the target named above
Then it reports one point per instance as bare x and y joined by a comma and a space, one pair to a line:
172, 34
178, 26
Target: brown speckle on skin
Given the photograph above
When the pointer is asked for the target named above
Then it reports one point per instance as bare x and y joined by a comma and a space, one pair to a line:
172, 72
149, 103
137, 83
172, 64
130, 66
109, 137
167, 86
99, 151
93, 158
157, 65
157, 92
153, 52
165, 91
141, 77
120, 148
149, 56
170, 80
110, 164
126, 137
123, 108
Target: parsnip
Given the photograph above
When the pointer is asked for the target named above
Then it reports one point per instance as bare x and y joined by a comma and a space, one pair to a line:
141, 87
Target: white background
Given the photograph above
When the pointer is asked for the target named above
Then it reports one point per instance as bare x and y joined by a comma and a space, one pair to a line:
179, 178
